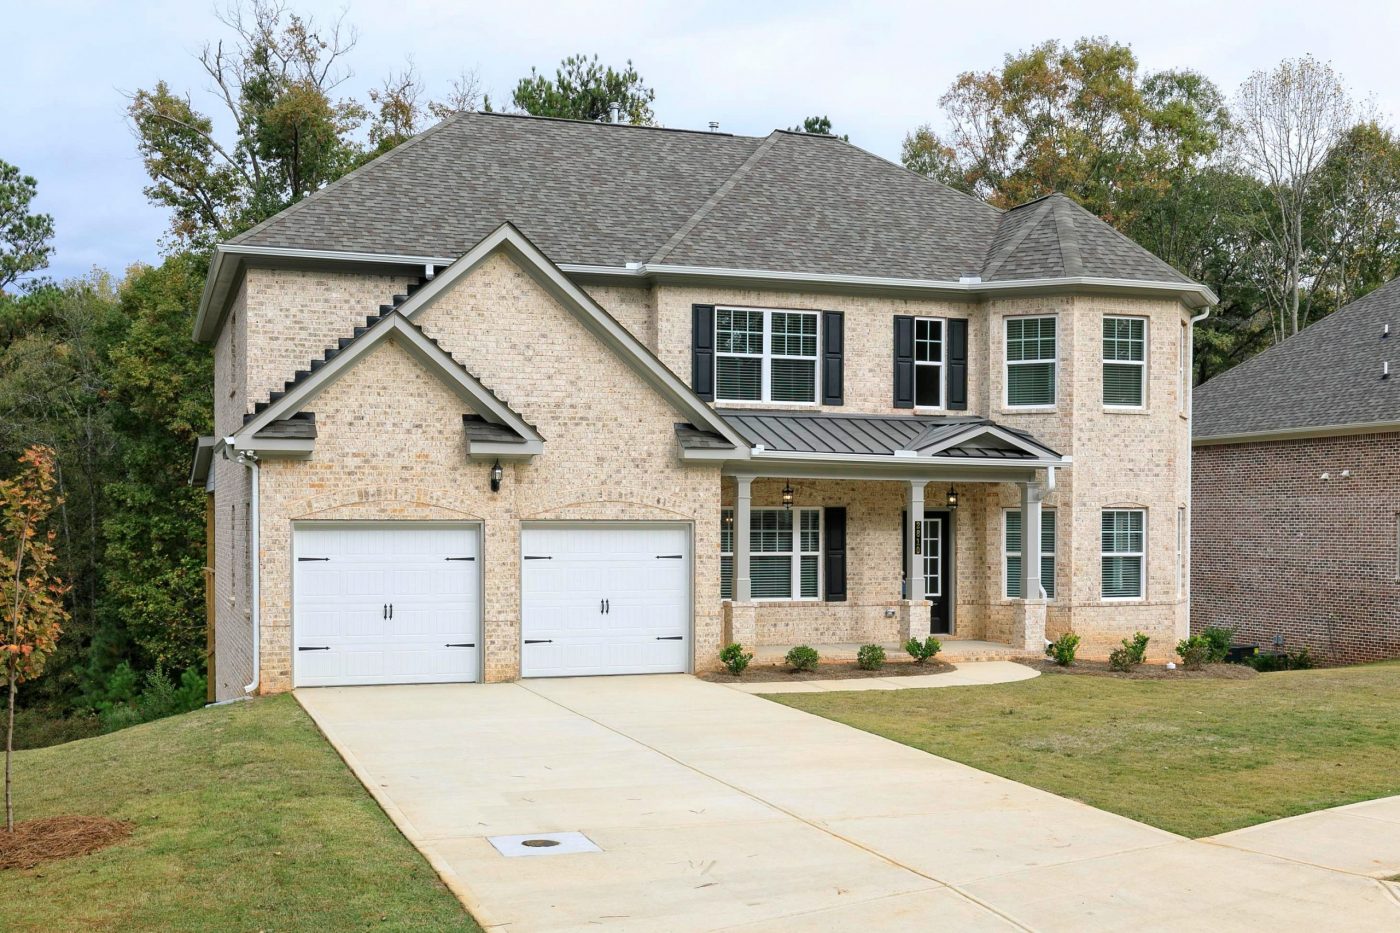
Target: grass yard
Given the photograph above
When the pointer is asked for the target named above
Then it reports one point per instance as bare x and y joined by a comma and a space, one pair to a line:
245, 820
1193, 757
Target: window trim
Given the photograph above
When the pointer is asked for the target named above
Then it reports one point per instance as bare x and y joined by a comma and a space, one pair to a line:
1007, 363
1140, 555
1006, 555
766, 358
942, 364
1104, 362
796, 553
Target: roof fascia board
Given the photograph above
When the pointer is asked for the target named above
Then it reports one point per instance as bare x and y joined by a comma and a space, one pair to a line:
504, 450
1295, 434
939, 473
911, 464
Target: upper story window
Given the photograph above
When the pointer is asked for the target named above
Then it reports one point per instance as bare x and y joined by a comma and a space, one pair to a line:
1030, 362
1124, 362
765, 355
928, 362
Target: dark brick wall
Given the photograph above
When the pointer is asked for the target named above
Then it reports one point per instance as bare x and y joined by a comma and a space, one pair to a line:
1275, 550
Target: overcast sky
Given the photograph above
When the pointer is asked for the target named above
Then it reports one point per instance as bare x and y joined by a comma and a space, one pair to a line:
876, 68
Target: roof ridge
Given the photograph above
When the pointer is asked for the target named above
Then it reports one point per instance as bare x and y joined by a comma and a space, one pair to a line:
716, 196
995, 262
926, 179
1068, 235
599, 123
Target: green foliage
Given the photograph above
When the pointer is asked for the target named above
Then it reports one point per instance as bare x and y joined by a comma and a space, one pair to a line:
818, 126
583, 89
870, 657
1136, 647
42, 726
1219, 641
159, 696
1063, 649
802, 658
734, 658
24, 236
921, 651
1300, 660
1194, 652
1121, 660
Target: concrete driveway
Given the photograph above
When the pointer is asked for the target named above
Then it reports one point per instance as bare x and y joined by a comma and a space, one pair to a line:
715, 810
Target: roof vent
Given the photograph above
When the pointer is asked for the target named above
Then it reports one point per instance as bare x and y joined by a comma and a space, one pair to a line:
970, 279
1385, 330
714, 126
1385, 370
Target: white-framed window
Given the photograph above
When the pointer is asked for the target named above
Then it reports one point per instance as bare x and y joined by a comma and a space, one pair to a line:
1011, 550
726, 553
1124, 362
928, 362
785, 553
1123, 549
765, 355
1031, 362
1183, 368
1181, 551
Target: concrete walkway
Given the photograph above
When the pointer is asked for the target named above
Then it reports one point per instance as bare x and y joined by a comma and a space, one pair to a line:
717, 810
968, 674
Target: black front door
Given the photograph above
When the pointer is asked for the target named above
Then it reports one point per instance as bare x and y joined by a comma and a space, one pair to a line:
938, 553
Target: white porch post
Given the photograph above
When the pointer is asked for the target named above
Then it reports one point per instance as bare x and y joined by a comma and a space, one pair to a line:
743, 501
914, 568
1031, 496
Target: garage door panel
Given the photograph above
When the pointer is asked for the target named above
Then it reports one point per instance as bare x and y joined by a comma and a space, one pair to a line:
605, 600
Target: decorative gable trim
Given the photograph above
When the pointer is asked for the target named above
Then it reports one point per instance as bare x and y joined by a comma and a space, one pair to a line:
1002, 439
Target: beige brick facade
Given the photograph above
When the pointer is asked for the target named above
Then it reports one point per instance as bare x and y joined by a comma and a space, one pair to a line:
390, 445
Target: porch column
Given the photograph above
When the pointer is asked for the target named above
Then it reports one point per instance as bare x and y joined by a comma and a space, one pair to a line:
743, 501
914, 568
1031, 496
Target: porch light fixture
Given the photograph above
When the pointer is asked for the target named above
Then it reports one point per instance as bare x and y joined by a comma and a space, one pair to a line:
787, 495
952, 498
496, 474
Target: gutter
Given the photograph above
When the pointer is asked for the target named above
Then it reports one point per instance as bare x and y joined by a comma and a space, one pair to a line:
248, 459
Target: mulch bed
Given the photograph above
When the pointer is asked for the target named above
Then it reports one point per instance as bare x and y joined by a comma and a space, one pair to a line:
37, 841
1146, 671
826, 670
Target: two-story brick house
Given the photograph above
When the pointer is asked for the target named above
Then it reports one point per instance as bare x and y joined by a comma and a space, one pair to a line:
531, 397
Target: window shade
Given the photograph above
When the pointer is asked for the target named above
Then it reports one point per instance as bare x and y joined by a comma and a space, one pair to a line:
771, 576
1122, 384
1030, 384
1122, 577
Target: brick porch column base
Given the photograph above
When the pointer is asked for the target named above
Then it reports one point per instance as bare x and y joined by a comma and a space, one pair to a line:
913, 619
1028, 626
739, 623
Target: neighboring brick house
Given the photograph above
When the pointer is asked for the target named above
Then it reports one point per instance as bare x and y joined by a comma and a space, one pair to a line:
1295, 500
531, 397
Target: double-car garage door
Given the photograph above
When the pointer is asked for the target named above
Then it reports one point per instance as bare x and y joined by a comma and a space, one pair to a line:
400, 602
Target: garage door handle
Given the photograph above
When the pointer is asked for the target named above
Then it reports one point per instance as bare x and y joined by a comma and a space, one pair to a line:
670, 638
319, 648
539, 641
304, 559
538, 557
669, 556
459, 558
460, 645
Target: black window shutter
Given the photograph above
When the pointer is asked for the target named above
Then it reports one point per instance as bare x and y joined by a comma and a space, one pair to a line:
903, 361
702, 351
957, 364
833, 352
834, 553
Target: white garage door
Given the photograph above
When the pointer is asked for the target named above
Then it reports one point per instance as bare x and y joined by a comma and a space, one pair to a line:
386, 603
601, 599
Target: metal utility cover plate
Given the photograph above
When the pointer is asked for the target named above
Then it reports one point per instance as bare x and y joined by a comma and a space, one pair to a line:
516, 846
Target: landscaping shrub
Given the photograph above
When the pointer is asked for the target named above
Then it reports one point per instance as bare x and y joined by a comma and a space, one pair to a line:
1217, 643
735, 658
41, 726
1137, 647
159, 697
1300, 660
1133, 653
1062, 649
1194, 652
921, 651
803, 658
870, 657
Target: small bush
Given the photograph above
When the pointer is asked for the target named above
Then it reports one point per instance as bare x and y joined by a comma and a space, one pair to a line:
921, 651
1217, 643
1137, 647
1194, 652
159, 697
735, 658
1121, 660
870, 657
1300, 660
40, 727
803, 658
1063, 649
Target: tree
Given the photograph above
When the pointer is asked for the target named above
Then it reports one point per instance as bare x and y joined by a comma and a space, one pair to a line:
31, 597
24, 236
820, 126
582, 89
1289, 119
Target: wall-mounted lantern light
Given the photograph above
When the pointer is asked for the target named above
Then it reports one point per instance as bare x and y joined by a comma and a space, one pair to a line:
496, 474
952, 498
787, 495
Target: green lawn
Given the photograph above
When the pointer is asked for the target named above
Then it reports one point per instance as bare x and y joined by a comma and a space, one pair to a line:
245, 820
1194, 757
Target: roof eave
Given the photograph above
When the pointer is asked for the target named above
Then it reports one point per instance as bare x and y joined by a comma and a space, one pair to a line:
1297, 433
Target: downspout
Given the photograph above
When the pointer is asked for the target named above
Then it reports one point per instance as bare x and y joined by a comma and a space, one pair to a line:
1190, 452
248, 459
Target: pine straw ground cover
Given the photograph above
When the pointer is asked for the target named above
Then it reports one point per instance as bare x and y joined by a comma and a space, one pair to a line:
1195, 757
1144, 671
242, 818
826, 670
34, 842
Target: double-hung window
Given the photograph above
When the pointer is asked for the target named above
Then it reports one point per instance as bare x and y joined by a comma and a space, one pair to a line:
1012, 550
1030, 362
785, 553
928, 362
1124, 362
765, 355
1124, 544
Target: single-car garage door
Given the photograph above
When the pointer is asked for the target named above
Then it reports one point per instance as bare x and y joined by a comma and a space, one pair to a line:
386, 603
604, 599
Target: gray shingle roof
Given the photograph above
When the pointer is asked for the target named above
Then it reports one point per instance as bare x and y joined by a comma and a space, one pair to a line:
839, 433
601, 194
1327, 375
